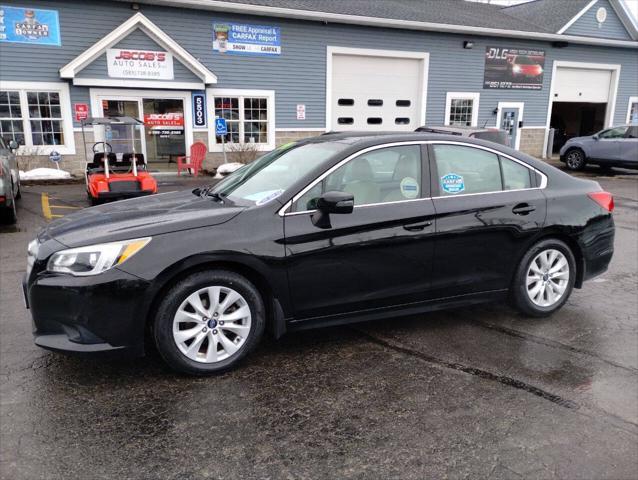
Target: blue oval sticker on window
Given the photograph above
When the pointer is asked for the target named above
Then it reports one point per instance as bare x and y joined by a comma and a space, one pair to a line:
452, 183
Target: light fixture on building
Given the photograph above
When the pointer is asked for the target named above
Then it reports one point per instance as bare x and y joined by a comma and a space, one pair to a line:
468, 44
560, 44
135, 6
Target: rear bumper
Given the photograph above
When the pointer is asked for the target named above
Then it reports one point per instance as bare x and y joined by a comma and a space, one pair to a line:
87, 315
598, 247
119, 195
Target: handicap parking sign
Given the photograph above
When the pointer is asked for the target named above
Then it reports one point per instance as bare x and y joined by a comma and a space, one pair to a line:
220, 126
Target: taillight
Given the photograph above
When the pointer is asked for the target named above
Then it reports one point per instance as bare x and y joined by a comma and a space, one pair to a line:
604, 199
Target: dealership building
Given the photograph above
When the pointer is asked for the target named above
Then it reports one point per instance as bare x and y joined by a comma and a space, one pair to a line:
280, 70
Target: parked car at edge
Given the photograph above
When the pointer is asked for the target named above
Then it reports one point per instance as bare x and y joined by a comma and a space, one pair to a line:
490, 134
612, 147
330, 230
9, 182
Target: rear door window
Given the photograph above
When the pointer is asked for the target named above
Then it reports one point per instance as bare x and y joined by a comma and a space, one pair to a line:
465, 170
515, 175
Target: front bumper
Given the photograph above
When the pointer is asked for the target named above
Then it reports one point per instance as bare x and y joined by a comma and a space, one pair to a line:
104, 313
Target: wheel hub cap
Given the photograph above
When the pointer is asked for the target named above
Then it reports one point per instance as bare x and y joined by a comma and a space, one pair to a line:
547, 278
212, 324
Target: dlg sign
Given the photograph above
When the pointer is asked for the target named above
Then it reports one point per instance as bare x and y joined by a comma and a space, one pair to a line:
199, 110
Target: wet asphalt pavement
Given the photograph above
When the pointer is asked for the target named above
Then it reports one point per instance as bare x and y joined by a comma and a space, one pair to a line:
468, 393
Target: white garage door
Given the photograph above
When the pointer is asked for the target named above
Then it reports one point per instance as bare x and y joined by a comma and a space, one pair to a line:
582, 85
375, 93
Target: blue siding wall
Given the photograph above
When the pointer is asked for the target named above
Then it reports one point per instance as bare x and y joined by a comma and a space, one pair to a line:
298, 75
588, 26
137, 40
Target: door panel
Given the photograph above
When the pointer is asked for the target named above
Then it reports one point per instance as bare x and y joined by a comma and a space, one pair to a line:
377, 256
481, 235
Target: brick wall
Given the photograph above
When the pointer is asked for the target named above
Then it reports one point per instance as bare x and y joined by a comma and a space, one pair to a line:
532, 141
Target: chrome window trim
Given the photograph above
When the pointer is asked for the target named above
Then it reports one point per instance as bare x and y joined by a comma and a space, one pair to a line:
283, 210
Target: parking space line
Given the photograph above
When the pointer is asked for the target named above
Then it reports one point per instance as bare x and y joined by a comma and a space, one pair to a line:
64, 206
46, 208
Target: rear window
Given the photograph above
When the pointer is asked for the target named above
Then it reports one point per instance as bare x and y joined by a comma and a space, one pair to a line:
496, 136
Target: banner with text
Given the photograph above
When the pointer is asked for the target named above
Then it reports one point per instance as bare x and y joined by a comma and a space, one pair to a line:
513, 68
29, 25
244, 39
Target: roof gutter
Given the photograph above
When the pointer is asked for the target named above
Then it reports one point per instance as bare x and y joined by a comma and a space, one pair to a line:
249, 9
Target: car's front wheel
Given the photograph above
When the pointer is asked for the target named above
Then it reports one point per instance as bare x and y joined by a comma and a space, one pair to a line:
575, 159
544, 279
208, 322
9, 215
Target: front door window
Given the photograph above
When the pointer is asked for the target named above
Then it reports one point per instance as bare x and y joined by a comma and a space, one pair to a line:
121, 136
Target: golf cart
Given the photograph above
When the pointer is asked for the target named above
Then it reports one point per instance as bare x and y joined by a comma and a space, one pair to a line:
113, 175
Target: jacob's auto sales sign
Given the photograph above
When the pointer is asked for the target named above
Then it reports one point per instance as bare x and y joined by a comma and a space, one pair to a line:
164, 124
145, 64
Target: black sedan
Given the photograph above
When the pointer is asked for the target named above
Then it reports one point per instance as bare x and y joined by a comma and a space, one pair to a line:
326, 231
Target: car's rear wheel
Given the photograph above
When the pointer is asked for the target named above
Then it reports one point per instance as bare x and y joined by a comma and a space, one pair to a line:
575, 159
208, 322
544, 279
9, 215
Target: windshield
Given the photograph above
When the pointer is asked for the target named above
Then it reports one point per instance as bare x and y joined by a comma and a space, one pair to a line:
271, 175
523, 60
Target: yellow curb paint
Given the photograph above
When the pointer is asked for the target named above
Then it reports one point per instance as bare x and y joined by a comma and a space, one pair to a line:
46, 210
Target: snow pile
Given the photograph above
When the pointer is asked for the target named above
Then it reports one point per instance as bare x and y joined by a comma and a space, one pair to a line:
45, 174
226, 168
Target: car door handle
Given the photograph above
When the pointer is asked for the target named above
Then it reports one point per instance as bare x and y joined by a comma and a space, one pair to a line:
415, 227
523, 209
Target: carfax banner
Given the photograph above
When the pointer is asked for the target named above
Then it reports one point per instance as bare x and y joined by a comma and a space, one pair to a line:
514, 68
245, 39
29, 25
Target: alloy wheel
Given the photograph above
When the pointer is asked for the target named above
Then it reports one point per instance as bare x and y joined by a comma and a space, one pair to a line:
547, 278
212, 324
574, 159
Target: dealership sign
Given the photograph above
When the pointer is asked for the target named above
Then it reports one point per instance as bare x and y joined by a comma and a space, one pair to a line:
146, 64
165, 124
245, 39
29, 25
514, 68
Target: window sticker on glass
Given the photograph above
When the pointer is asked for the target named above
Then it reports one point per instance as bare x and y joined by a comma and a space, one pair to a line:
409, 187
452, 183
261, 198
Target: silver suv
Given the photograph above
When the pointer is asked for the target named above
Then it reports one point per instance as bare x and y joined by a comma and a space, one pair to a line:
9, 182
612, 147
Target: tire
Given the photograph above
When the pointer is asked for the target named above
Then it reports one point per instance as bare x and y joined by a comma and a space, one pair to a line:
19, 192
9, 215
536, 303
575, 159
176, 314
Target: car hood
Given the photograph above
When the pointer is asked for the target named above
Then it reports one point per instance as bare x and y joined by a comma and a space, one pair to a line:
139, 217
580, 139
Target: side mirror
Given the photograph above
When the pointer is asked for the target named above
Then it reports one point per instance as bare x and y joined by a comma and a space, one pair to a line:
13, 145
595, 137
332, 202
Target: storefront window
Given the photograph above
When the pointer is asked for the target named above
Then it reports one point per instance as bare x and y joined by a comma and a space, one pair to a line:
11, 117
45, 115
246, 119
37, 114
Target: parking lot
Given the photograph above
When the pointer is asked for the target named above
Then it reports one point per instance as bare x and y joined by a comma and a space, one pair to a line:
469, 393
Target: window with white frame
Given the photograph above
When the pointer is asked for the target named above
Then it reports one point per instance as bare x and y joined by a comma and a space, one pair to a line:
36, 115
461, 108
249, 116
632, 110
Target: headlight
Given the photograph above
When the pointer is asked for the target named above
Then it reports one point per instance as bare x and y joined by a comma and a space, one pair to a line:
32, 253
94, 259
516, 69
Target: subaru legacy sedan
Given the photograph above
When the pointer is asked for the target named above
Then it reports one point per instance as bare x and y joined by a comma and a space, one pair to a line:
331, 230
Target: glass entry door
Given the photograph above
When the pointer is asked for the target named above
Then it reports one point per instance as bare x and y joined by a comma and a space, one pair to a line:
121, 140
162, 137
164, 121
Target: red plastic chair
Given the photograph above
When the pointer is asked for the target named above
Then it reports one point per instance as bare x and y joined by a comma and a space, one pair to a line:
194, 160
